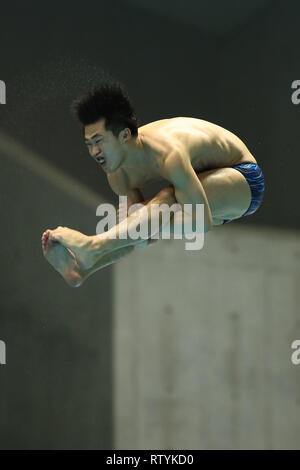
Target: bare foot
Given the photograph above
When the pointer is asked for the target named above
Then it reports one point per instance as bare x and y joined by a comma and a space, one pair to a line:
79, 243
62, 259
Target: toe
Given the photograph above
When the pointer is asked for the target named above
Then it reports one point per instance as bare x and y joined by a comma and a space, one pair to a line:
54, 236
45, 235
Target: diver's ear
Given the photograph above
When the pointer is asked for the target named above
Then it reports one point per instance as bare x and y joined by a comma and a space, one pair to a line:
125, 135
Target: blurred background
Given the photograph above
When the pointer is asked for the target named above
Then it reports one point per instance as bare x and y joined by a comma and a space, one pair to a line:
168, 349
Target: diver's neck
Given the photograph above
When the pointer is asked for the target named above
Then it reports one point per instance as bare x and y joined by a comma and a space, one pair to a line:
139, 158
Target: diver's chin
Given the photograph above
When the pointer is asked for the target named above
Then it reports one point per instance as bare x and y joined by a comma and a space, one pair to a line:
114, 168
109, 170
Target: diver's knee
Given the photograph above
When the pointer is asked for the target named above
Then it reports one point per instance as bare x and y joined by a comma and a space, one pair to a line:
167, 193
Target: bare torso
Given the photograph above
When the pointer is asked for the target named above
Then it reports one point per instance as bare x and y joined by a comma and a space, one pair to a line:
207, 145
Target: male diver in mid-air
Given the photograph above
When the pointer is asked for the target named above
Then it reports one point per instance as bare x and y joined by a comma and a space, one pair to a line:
204, 163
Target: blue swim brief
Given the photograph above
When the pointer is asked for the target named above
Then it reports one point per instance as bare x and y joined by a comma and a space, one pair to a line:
255, 178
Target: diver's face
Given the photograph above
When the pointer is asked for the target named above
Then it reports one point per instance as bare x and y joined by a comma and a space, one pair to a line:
103, 146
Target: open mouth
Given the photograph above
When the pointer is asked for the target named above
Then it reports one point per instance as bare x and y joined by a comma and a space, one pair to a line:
101, 159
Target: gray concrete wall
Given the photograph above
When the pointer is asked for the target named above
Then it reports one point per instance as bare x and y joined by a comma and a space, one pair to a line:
202, 343
55, 389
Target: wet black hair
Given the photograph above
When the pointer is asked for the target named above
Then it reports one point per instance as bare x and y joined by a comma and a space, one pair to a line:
108, 100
